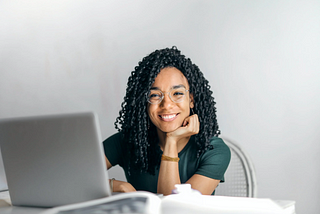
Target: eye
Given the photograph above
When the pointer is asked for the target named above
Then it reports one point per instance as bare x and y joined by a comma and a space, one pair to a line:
154, 95
178, 93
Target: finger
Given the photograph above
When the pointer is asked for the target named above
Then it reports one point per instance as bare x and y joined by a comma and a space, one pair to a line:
198, 123
190, 124
186, 122
195, 123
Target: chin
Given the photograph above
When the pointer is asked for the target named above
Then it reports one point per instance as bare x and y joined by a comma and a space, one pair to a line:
169, 129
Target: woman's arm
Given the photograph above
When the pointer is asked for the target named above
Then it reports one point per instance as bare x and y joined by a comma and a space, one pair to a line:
203, 184
119, 186
174, 142
169, 170
108, 163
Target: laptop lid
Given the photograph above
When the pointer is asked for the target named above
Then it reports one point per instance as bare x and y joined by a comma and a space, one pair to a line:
53, 160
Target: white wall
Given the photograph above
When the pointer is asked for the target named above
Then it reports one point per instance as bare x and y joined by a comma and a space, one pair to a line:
262, 59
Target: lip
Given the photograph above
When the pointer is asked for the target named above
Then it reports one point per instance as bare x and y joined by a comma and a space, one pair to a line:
168, 117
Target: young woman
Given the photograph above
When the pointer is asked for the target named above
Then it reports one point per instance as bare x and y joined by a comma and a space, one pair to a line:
168, 131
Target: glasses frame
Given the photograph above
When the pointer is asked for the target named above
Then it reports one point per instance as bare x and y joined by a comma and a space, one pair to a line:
162, 96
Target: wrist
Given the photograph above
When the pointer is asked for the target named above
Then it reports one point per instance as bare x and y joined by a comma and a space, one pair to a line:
172, 159
111, 184
170, 150
171, 138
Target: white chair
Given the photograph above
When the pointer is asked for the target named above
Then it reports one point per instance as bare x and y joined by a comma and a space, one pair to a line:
240, 178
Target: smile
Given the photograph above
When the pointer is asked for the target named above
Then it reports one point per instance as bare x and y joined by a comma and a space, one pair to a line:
168, 117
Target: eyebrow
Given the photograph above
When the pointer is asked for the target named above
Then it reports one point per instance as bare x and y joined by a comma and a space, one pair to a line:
173, 87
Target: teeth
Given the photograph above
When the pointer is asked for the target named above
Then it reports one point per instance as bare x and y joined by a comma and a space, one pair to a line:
168, 116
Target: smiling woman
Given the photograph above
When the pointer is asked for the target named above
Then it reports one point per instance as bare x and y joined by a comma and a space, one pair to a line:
168, 132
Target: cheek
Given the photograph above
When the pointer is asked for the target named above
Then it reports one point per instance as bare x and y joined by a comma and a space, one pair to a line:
151, 112
185, 107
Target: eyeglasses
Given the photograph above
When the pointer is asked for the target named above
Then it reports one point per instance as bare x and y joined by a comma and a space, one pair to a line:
176, 94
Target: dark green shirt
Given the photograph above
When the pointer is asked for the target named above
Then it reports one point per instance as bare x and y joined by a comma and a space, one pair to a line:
212, 163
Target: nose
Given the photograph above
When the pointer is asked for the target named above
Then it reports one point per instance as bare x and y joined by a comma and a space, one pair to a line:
166, 101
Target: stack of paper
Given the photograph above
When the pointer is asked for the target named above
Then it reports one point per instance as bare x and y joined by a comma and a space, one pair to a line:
186, 204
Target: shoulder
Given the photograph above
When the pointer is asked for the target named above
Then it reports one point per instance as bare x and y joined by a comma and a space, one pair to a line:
115, 141
220, 151
117, 137
219, 144
213, 163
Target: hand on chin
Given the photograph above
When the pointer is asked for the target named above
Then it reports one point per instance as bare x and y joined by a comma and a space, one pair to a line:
190, 126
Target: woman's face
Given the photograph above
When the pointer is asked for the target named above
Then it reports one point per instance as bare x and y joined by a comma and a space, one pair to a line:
167, 116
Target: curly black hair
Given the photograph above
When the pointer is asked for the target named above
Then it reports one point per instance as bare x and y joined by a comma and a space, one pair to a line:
133, 120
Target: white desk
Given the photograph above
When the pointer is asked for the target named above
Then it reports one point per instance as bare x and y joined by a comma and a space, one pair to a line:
20, 210
178, 205
6, 208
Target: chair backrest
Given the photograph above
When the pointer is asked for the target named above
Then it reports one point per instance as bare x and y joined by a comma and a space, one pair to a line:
240, 178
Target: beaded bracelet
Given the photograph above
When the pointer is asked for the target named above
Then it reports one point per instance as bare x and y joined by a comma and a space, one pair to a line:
167, 158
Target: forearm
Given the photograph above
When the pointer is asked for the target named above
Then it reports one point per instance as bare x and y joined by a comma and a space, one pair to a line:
169, 171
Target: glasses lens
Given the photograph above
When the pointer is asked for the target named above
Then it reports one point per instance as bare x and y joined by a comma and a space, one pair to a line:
155, 96
178, 95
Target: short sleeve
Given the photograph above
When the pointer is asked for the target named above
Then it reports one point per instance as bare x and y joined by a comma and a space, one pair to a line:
214, 162
113, 149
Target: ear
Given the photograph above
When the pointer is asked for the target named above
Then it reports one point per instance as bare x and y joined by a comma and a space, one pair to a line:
191, 101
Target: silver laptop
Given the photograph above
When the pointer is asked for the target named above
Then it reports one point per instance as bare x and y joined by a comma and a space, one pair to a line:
53, 160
